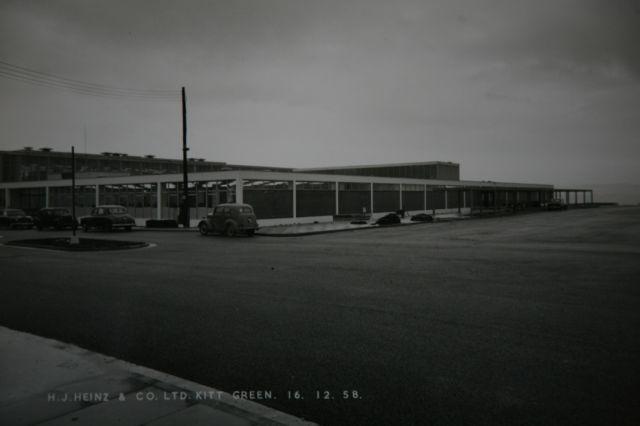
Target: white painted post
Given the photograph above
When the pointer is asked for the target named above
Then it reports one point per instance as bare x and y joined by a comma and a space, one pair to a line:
7, 198
337, 198
464, 198
239, 190
401, 206
46, 196
97, 195
158, 200
371, 198
424, 203
446, 199
295, 200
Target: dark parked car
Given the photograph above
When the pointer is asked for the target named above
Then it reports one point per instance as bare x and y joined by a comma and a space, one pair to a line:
108, 218
389, 219
556, 204
54, 217
422, 217
230, 219
15, 218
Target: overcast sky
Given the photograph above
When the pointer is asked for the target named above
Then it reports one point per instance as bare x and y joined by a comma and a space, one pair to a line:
543, 91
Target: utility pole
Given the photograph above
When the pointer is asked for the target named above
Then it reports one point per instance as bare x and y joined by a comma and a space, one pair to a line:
185, 177
74, 239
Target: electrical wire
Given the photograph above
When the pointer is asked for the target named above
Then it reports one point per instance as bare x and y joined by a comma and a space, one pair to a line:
42, 79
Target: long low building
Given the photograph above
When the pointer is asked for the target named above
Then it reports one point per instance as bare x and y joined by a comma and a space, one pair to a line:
283, 195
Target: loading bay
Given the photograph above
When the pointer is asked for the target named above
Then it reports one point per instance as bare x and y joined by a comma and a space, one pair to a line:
525, 319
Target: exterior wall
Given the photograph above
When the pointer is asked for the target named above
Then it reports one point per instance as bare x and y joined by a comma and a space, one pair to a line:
413, 197
23, 166
354, 198
435, 199
270, 199
386, 197
271, 193
447, 171
29, 199
315, 199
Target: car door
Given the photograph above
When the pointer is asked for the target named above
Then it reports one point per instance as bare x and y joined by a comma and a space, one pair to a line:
218, 218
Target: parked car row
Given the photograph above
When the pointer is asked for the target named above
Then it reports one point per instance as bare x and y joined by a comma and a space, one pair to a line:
228, 219
15, 218
106, 218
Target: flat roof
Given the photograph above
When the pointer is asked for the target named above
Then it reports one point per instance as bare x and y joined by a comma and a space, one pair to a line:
371, 166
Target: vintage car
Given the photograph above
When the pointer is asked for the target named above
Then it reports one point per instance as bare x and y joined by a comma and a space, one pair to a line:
388, 219
556, 204
422, 217
15, 218
108, 218
229, 219
54, 217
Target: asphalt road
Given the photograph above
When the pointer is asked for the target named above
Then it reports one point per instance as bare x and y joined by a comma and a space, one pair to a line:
529, 319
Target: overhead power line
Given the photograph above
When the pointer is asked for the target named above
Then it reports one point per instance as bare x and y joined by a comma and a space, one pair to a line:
26, 75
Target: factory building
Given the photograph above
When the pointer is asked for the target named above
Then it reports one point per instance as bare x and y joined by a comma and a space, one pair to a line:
151, 188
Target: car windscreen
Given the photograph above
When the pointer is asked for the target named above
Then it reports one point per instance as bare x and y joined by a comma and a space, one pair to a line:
247, 210
118, 210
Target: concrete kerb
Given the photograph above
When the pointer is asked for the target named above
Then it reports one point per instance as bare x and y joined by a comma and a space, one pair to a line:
359, 228
223, 402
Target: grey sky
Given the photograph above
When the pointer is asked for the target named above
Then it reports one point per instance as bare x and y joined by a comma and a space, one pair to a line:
545, 91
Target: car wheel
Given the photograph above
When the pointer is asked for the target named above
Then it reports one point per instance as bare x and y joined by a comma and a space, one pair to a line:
204, 229
85, 227
108, 227
39, 227
250, 232
230, 230
127, 228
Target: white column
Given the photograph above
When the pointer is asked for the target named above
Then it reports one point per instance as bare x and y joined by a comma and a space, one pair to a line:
97, 195
295, 200
464, 198
239, 190
7, 198
46, 196
158, 200
424, 204
401, 206
337, 198
446, 200
371, 198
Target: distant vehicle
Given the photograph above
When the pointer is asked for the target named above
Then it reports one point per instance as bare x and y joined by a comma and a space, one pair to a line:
556, 204
54, 217
389, 219
108, 218
422, 217
229, 219
15, 218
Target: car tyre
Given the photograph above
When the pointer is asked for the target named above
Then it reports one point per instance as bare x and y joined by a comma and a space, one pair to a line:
204, 229
108, 227
230, 230
85, 227
251, 232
